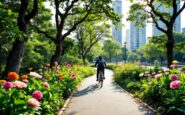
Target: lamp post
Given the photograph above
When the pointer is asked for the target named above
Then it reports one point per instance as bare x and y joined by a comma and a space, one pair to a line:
125, 44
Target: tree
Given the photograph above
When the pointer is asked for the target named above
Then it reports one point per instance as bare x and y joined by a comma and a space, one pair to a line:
124, 53
117, 50
179, 44
8, 31
96, 51
149, 50
39, 50
112, 47
69, 46
132, 56
88, 34
73, 12
149, 9
16, 54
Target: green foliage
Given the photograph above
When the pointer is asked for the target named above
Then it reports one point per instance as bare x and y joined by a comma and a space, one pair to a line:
133, 56
154, 89
85, 72
9, 30
111, 66
95, 51
157, 68
149, 49
37, 53
89, 34
62, 82
160, 44
72, 59
111, 48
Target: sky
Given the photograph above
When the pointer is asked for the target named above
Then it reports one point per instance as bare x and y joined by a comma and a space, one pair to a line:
126, 6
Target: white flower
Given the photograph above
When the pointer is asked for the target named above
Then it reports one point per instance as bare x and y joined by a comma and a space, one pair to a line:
34, 74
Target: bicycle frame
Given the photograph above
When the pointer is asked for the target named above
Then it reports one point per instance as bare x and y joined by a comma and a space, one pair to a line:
100, 78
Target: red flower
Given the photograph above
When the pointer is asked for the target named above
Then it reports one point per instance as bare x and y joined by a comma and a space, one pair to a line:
13, 76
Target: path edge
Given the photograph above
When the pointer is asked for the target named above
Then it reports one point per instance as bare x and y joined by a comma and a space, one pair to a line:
61, 111
137, 99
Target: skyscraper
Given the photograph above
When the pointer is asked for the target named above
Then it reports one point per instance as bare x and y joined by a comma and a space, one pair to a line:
117, 32
137, 36
127, 38
177, 24
183, 30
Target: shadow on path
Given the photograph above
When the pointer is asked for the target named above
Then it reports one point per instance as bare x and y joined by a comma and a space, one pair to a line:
87, 90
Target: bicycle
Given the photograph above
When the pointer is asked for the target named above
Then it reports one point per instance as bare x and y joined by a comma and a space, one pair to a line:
100, 79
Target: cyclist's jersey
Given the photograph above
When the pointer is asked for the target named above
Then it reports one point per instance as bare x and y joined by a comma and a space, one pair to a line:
101, 63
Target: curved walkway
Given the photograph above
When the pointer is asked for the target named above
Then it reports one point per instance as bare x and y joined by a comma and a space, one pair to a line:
108, 100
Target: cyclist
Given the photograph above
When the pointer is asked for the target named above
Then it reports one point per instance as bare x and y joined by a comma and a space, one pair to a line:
100, 63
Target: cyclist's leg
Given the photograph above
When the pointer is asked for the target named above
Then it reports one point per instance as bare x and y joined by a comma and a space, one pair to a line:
97, 74
103, 72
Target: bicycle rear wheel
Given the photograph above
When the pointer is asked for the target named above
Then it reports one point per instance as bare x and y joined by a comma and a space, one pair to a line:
100, 80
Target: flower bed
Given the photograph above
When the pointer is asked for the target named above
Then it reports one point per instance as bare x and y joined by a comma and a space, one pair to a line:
43, 92
163, 90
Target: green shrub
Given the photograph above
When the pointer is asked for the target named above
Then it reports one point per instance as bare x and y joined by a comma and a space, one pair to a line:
112, 66
72, 60
154, 89
62, 82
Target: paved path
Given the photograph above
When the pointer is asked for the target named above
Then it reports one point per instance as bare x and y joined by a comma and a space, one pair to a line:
108, 100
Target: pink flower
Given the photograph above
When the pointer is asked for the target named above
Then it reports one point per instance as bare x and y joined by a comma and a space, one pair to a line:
34, 74
167, 70
8, 85
158, 75
46, 85
173, 65
33, 102
174, 77
175, 84
37, 95
19, 84
56, 63
25, 80
68, 65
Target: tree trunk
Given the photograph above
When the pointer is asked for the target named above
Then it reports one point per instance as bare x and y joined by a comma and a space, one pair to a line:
116, 58
169, 47
83, 59
0, 57
15, 57
110, 58
161, 59
57, 53
16, 54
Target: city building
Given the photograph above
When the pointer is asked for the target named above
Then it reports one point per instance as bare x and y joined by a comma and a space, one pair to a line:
177, 24
183, 30
118, 32
137, 36
127, 38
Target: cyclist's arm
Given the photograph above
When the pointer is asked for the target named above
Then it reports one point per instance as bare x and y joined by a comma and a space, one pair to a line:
105, 64
96, 63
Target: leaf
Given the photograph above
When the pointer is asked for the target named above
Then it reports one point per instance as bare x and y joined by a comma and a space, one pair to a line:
19, 102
